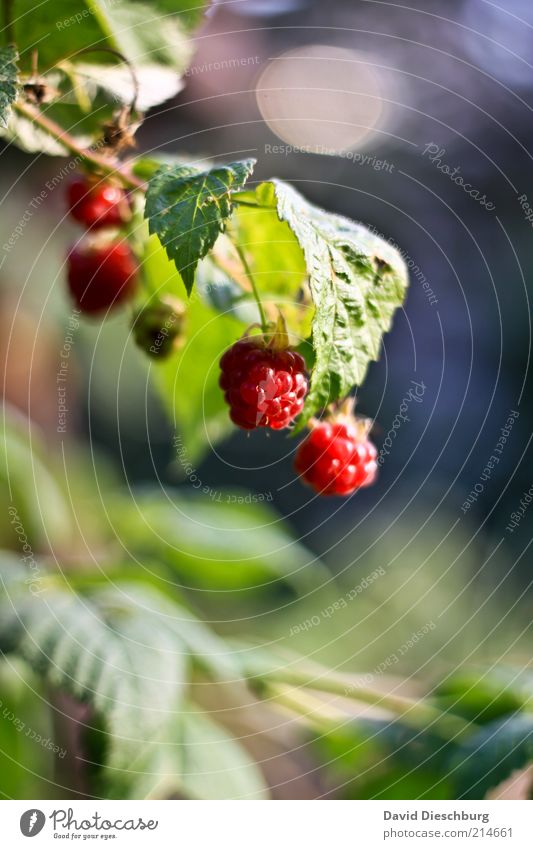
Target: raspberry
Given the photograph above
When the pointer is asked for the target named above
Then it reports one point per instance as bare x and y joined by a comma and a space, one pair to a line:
96, 205
158, 326
264, 386
101, 277
337, 457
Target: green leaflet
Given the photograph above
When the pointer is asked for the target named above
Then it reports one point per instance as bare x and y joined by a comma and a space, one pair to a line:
19, 691
274, 255
102, 650
491, 755
8, 81
356, 280
29, 137
200, 761
218, 547
31, 498
276, 260
187, 208
216, 765
376, 758
486, 695
127, 651
146, 33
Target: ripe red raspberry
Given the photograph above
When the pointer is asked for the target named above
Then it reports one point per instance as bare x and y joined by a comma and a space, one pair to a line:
96, 205
101, 277
337, 457
264, 386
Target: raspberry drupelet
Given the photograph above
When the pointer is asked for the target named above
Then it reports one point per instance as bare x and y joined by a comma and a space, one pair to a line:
337, 457
264, 386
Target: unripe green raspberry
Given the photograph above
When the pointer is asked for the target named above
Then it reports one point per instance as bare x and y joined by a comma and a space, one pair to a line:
158, 326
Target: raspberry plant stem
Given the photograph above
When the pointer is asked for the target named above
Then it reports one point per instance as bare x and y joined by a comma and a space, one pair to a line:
247, 269
8, 21
410, 711
102, 163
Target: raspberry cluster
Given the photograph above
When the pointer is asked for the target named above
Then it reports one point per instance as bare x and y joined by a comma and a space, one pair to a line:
337, 457
101, 270
264, 387
264, 381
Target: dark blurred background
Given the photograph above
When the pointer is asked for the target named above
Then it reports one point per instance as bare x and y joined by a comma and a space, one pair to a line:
389, 105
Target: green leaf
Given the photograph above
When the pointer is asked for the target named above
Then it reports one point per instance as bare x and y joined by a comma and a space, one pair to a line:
187, 208
8, 81
105, 650
217, 542
144, 32
485, 696
208, 652
491, 755
216, 765
210, 655
202, 761
155, 771
80, 105
382, 758
276, 258
29, 137
34, 512
88, 95
276, 261
356, 281
217, 289
155, 83
82, 39
24, 715
190, 12
146, 166
124, 650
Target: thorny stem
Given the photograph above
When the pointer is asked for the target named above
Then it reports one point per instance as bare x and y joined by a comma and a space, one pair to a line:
103, 163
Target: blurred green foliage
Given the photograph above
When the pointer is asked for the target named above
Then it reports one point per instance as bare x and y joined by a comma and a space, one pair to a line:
110, 627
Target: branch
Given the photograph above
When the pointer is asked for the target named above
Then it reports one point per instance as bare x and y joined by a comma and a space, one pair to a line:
413, 711
103, 163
